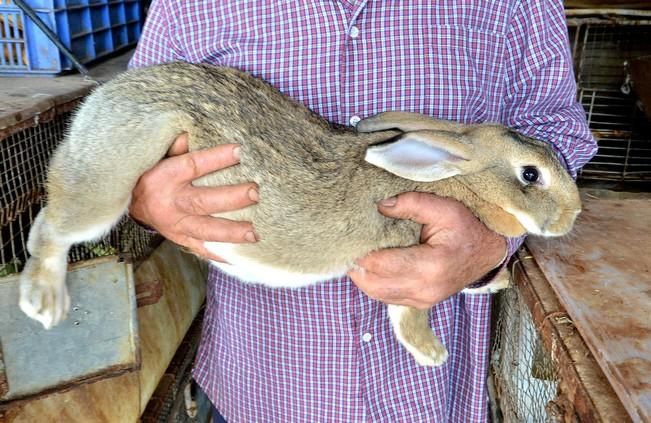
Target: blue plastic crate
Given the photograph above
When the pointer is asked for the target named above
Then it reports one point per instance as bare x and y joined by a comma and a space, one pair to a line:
89, 28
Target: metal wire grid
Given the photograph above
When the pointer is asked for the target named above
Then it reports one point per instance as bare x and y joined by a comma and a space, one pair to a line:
24, 156
522, 371
623, 132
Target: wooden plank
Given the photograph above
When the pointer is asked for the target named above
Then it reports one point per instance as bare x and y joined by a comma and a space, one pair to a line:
176, 376
602, 276
607, 4
104, 401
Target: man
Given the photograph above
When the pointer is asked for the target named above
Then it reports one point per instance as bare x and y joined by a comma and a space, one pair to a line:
326, 353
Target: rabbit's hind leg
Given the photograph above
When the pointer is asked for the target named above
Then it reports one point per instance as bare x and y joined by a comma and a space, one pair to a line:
411, 327
43, 292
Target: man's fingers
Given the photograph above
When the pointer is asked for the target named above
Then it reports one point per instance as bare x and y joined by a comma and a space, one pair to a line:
179, 147
415, 206
397, 276
210, 200
217, 229
198, 163
374, 286
392, 262
379, 281
197, 247
385, 290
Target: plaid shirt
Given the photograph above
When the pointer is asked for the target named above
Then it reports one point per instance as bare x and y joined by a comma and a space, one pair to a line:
326, 352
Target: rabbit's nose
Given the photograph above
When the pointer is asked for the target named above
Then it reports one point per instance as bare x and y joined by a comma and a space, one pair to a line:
560, 224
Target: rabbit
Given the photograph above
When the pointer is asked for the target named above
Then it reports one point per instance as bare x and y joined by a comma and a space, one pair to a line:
319, 182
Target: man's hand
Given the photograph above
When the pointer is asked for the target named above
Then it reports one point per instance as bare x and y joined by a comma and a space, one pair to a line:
166, 200
456, 250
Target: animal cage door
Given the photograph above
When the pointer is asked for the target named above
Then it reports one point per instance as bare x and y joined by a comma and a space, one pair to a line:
97, 340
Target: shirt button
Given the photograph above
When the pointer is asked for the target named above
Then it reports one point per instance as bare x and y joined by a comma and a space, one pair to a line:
354, 32
354, 120
367, 337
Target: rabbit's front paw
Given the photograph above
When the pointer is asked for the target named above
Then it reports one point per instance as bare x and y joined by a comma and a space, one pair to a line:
44, 295
429, 354
411, 327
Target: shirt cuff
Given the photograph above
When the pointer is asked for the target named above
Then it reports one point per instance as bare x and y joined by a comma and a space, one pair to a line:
512, 245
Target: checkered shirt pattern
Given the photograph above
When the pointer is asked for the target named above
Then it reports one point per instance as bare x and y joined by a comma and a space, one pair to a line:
326, 353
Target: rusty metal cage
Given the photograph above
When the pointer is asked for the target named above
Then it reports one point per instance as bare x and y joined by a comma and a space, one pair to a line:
541, 370
602, 47
24, 154
522, 372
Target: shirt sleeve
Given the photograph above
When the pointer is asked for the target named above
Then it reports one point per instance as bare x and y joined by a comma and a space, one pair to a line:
540, 90
158, 42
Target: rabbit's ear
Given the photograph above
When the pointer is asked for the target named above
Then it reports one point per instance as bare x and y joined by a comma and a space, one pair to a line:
423, 156
406, 121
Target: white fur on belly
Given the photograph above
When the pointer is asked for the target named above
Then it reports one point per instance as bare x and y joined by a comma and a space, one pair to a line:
249, 270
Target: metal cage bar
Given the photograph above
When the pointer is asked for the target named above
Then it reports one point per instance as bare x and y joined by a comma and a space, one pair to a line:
602, 47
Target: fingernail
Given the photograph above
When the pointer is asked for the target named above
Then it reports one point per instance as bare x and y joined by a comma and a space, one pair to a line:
254, 195
251, 236
236, 152
389, 202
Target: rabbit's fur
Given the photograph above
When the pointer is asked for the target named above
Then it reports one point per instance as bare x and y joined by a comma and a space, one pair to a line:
319, 182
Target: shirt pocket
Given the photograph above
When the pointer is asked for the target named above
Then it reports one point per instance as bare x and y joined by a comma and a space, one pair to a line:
464, 73
445, 71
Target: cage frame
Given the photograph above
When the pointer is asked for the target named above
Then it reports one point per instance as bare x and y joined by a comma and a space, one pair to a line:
584, 392
610, 165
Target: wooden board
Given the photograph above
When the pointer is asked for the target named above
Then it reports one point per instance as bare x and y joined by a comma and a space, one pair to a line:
602, 275
607, 4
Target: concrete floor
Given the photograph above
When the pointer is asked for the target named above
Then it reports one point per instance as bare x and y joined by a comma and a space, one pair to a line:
21, 98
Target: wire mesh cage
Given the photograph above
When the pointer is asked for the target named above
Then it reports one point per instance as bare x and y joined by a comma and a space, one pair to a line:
24, 156
523, 374
602, 48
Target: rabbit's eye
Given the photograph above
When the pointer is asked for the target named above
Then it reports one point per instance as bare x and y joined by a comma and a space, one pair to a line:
530, 174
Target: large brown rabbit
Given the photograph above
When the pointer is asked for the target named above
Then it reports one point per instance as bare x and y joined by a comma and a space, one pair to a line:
319, 183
